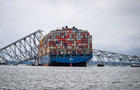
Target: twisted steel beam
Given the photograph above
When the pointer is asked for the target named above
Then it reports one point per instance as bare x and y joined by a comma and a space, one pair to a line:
26, 49
21, 50
114, 58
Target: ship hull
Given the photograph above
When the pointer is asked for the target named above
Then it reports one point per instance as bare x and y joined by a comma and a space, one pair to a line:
64, 60
80, 64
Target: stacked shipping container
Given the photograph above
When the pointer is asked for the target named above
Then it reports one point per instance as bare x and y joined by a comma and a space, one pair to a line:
67, 41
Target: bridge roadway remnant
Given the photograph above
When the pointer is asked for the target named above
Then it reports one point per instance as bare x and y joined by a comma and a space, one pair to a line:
26, 49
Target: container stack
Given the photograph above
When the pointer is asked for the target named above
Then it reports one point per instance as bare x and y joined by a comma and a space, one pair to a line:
66, 41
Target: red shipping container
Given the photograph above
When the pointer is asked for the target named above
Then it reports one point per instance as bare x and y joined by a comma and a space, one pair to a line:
69, 44
68, 36
70, 31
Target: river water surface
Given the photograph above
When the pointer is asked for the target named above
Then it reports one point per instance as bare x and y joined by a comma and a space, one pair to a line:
69, 78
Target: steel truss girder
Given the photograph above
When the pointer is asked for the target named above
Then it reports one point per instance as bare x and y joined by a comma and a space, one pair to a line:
114, 58
26, 49
21, 50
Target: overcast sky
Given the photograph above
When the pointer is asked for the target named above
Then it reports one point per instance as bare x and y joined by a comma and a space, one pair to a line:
114, 24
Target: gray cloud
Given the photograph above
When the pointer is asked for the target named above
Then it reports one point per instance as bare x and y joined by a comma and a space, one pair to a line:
115, 24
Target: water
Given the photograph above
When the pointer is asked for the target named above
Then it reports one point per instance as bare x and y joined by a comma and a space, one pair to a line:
69, 78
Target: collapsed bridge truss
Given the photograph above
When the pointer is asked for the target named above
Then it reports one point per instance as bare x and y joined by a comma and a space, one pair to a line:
112, 58
21, 50
26, 48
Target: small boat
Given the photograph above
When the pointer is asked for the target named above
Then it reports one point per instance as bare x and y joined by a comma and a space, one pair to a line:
100, 65
135, 65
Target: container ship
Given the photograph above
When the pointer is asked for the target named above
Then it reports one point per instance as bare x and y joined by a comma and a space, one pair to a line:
65, 47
